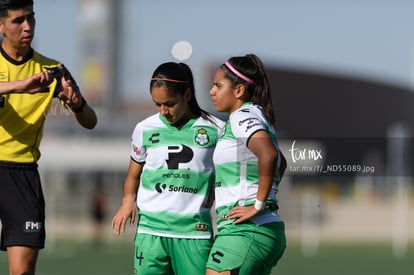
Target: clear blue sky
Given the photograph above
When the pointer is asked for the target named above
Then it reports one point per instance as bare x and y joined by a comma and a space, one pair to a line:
368, 38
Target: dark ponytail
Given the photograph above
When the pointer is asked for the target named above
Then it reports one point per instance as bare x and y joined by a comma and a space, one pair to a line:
258, 92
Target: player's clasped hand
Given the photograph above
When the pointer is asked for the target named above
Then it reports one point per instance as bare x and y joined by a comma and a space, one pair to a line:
242, 213
37, 83
70, 93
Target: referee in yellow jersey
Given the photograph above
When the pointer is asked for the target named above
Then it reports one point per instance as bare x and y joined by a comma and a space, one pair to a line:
28, 83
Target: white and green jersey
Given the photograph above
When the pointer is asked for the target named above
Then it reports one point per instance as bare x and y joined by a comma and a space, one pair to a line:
236, 166
177, 176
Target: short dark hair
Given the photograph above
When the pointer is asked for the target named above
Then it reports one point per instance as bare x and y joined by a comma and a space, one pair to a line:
14, 4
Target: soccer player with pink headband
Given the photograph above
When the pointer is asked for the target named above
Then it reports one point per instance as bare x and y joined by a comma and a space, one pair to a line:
249, 166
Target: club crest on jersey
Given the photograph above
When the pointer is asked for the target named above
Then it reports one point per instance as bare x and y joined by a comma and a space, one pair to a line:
201, 137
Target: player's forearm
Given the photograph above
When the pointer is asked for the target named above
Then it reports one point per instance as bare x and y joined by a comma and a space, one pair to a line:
130, 189
267, 168
86, 117
130, 193
10, 87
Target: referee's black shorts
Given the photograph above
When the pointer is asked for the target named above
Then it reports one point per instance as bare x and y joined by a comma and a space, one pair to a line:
22, 206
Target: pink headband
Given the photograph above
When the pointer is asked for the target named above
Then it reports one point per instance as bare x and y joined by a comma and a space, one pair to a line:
170, 80
236, 72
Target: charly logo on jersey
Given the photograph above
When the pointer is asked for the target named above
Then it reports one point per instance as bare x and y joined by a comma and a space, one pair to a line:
202, 138
154, 138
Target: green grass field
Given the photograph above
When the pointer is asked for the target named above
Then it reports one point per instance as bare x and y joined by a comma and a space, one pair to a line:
112, 259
